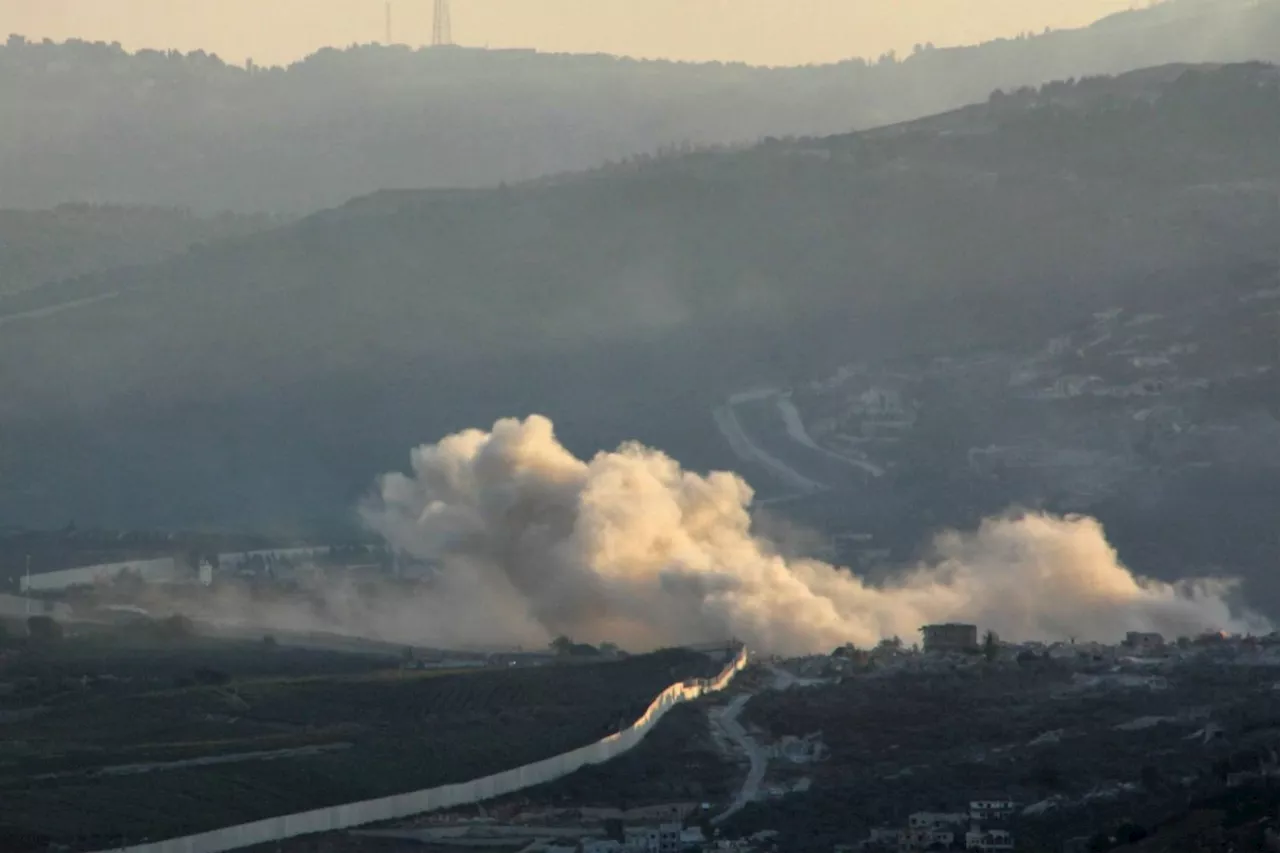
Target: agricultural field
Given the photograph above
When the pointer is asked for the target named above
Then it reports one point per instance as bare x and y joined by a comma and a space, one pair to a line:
96, 750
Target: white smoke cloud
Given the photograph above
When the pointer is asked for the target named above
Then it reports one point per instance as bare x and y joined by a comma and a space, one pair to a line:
630, 548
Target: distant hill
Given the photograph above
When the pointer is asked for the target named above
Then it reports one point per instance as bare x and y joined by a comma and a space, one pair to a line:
268, 378
91, 122
40, 247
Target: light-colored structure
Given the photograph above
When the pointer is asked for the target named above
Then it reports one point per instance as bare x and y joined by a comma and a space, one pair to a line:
237, 559
664, 838
13, 607
400, 806
163, 570
981, 810
989, 840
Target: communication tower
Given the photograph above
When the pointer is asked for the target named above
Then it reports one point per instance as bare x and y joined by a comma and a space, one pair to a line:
442, 26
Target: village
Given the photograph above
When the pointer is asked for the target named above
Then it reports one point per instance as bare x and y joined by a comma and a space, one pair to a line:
779, 775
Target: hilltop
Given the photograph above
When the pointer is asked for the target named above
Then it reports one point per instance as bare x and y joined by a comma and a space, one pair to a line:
92, 122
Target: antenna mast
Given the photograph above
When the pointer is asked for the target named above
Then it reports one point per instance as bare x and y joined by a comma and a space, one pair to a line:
442, 27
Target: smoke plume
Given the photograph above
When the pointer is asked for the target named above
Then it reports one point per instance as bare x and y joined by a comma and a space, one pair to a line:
630, 548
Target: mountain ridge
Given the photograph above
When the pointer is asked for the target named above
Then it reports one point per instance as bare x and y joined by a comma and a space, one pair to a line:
200, 133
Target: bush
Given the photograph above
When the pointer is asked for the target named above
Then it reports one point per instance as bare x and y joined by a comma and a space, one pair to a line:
206, 675
176, 627
44, 629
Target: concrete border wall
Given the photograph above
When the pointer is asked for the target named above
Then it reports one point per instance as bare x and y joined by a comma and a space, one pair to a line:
445, 796
159, 569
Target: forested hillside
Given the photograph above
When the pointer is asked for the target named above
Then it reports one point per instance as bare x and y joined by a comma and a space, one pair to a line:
92, 122
272, 376
40, 247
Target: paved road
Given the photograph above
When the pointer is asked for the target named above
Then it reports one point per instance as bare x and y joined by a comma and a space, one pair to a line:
729, 723
762, 431
749, 449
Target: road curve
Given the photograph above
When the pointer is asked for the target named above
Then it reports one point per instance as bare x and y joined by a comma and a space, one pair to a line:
729, 723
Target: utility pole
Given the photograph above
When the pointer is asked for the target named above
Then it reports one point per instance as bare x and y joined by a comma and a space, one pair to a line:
441, 25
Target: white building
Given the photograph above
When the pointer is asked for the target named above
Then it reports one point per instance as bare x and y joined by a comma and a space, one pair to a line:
648, 839
164, 570
989, 840
236, 560
982, 810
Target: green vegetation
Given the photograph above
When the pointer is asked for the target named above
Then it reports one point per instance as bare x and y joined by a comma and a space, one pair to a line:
71, 772
52, 250
932, 741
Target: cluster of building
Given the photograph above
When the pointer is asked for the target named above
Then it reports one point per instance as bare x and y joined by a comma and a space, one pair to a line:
664, 828
277, 563
1140, 660
980, 828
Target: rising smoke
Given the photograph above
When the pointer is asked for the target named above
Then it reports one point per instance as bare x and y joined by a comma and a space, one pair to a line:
630, 548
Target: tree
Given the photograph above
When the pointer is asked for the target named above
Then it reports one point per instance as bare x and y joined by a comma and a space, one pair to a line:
562, 645
1100, 843
44, 630
1130, 833
1150, 777
206, 675
176, 627
990, 646
269, 642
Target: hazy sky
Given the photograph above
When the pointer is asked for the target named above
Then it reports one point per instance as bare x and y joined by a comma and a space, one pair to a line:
759, 31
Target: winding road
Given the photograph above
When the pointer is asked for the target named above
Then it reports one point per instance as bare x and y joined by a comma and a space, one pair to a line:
765, 428
727, 720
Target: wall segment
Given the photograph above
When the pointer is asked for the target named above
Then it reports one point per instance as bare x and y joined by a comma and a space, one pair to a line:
445, 796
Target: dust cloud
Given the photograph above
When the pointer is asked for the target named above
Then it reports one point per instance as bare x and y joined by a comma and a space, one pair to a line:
630, 548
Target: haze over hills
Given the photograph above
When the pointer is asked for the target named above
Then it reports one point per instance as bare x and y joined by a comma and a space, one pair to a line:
90, 122
267, 379
43, 247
